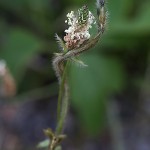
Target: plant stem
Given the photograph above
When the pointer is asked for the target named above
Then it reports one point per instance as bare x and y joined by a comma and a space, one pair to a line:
63, 98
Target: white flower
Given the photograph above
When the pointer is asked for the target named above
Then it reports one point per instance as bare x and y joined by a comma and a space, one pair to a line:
77, 33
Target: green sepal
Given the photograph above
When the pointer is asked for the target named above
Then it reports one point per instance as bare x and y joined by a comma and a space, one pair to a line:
78, 62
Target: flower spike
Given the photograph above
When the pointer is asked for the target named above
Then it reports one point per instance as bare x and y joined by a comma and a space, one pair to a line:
79, 25
102, 15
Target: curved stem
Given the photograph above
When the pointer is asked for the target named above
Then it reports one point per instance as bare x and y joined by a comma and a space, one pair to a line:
62, 106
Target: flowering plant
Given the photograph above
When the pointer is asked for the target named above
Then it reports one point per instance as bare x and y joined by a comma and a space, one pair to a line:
76, 41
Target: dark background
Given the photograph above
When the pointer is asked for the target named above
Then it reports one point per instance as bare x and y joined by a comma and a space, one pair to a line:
110, 99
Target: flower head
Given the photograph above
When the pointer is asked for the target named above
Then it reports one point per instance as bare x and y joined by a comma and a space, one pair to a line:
79, 25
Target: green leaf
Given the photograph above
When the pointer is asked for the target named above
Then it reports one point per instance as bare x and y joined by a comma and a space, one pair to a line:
43, 144
143, 17
91, 86
78, 62
16, 5
58, 148
18, 49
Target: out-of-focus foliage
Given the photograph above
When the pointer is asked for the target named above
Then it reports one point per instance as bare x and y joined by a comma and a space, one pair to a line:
91, 87
27, 29
18, 50
128, 28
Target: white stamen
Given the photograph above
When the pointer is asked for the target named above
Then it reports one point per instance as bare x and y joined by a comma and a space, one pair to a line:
76, 32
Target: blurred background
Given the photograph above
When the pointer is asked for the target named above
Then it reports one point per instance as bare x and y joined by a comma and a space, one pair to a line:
110, 99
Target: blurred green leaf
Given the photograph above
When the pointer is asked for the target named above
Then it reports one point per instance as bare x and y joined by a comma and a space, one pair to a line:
19, 48
116, 10
143, 17
43, 144
15, 6
91, 86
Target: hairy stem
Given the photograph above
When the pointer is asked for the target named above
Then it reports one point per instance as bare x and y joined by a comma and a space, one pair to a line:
62, 106
61, 72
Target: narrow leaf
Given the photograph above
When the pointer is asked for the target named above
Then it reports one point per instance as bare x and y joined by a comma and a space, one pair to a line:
60, 43
79, 62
